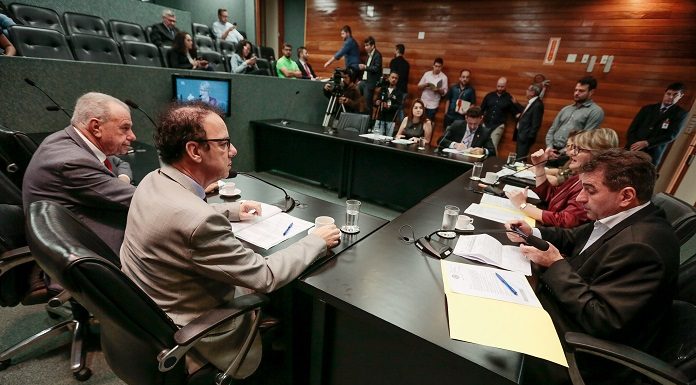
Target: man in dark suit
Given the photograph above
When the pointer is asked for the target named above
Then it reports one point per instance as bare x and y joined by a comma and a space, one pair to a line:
76, 167
529, 121
372, 72
614, 278
163, 33
303, 63
469, 134
656, 125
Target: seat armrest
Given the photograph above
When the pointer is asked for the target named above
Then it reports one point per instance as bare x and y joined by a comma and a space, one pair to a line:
62, 297
202, 325
637, 360
15, 257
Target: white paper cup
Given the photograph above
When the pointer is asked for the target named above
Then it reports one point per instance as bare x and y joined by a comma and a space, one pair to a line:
323, 221
228, 188
464, 222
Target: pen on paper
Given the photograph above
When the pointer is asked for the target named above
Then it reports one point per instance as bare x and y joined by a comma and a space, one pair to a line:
288, 229
503, 281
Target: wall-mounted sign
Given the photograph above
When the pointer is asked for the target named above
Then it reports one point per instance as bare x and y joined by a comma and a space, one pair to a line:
552, 50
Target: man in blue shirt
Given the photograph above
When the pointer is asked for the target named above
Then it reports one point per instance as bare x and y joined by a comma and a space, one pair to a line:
460, 91
350, 50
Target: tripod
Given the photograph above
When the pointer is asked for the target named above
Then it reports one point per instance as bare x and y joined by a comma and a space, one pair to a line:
332, 110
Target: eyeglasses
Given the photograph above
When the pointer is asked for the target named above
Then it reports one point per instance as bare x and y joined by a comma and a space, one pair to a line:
225, 142
573, 148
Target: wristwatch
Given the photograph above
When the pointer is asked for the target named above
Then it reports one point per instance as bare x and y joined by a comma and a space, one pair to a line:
523, 205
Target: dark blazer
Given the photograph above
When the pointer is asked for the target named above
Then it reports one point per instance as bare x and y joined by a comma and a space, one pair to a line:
306, 75
648, 125
621, 287
66, 171
374, 70
160, 35
530, 122
455, 134
178, 60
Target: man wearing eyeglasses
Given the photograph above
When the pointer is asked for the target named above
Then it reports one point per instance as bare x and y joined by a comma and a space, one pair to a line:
77, 167
163, 33
181, 250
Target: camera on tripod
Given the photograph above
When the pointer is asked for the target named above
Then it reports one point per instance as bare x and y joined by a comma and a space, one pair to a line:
336, 82
383, 82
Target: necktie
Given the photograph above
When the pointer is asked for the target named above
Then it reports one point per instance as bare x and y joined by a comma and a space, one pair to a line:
306, 68
663, 110
108, 164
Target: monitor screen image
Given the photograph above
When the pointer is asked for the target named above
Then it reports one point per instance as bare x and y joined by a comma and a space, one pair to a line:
215, 92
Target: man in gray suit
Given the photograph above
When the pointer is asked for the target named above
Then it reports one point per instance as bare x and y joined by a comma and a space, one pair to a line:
76, 167
181, 250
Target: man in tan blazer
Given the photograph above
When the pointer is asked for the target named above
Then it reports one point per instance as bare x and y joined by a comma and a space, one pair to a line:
181, 250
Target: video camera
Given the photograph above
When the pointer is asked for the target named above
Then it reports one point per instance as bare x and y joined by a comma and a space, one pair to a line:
383, 82
337, 81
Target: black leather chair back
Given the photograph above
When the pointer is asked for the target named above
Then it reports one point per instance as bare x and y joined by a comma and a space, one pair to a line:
37, 17
204, 43
201, 29
267, 53
164, 52
680, 214
39, 42
9, 193
16, 150
124, 31
133, 328
677, 343
214, 59
227, 48
265, 65
79, 23
14, 282
140, 54
95, 48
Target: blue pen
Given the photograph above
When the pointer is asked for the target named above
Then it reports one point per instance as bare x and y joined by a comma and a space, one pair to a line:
288, 229
506, 283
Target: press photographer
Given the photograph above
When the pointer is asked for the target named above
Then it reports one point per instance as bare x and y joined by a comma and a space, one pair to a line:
342, 86
386, 104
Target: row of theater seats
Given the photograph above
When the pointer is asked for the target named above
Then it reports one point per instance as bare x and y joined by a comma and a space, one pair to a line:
86, 38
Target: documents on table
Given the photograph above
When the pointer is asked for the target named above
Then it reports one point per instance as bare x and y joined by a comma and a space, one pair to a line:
526, 174
403, 141
463, 152
271, 228
497, 213
376, 137
530, 192
486, 249
482, 309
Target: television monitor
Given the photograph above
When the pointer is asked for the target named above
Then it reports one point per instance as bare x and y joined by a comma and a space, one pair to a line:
213, 91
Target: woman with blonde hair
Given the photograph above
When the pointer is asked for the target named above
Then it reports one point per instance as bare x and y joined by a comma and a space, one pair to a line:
562, 209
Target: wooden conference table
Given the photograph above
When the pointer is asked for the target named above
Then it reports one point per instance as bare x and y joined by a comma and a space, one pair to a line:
395, 175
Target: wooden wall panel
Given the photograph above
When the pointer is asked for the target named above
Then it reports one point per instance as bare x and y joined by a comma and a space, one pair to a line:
652, 43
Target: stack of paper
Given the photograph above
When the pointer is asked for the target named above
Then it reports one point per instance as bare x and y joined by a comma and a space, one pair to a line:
463, 152
486, 249
526, 174
376, 137
271, 228
498, 308
497, 213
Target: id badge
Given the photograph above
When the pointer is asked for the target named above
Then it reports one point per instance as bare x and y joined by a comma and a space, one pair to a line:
665, 124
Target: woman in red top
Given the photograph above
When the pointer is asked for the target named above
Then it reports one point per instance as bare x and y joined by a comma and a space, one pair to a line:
562, 210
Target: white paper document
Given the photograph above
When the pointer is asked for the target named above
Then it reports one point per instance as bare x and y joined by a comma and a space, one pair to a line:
402, 141
271, 228
498, 201
463, 152
526, 174
530, 193
486, 249
376, 137
486, 282
497, 213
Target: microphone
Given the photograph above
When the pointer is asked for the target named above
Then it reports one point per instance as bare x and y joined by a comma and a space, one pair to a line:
135, 106
512, 178
530, 239
287, 109
57, 107
289, 202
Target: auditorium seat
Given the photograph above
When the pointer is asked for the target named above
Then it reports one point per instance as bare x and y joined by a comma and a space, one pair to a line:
95, 48
214, 59
39, 42
16, 150
264, 64
164, 53
38, 17
204, 43
227, 48
79, 23
680, 214
140, 54
201, 29
267, 53
124, 31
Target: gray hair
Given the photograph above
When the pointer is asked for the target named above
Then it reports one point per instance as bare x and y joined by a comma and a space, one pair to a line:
94, 105
167, 12
536, 89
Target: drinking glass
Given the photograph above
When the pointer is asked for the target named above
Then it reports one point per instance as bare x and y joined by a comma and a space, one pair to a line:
476, 171
512, 158
449, 221
352, 216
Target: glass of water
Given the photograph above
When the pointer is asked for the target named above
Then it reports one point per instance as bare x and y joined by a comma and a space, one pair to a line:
449, 221
476, 171
512, 158
352, 216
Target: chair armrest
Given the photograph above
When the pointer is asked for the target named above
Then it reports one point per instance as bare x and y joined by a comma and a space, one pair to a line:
202, 325
637, 360
187, 336
15, 257
62, 297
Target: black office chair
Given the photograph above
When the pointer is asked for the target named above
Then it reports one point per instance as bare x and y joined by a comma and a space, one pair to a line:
80, 23
95, 48
201, 29
37, 17
164, 52
353, 122
267, 53
124, 31
265, 66
673, 360
140, 53
16, 150
214, 59
39, 42
141, 344
22, 282
204, 43
680, 214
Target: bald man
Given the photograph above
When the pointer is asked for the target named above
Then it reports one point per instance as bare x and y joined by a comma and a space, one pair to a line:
496, 107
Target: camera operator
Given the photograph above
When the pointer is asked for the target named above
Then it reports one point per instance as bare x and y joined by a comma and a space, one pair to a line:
343, 86
386, 104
